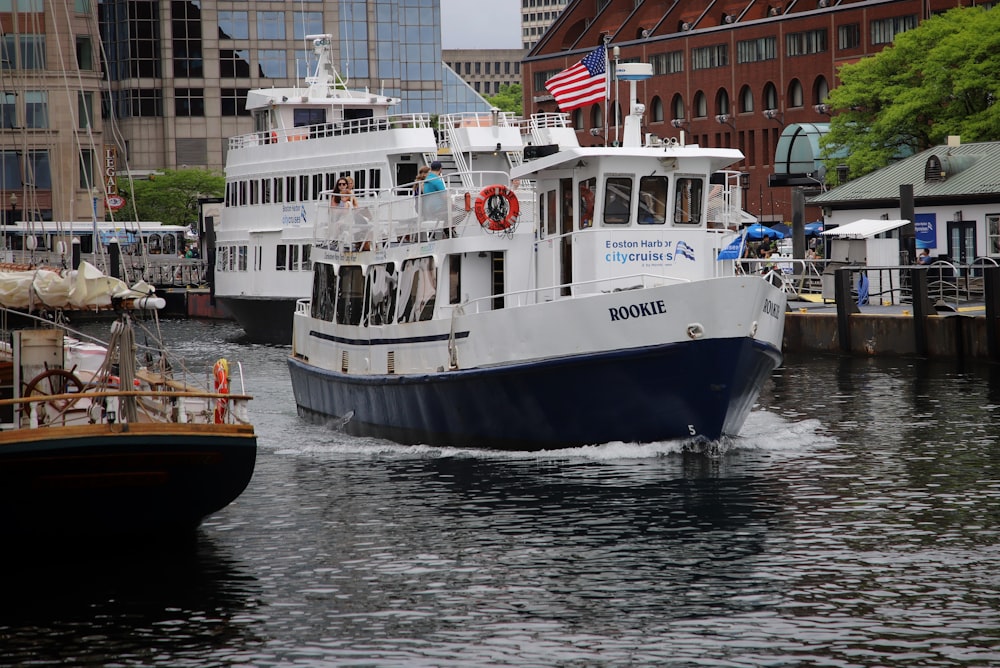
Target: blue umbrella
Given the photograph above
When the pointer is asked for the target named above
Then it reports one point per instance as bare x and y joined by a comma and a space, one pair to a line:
758, 231
814, 228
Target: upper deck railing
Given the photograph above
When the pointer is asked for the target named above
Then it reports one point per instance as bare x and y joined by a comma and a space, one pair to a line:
333, 129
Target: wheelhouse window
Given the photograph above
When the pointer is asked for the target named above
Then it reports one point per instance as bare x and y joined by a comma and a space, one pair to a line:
417, 289
688, 201
381, 294
588, 190
653, 200
617, 200
324, 292
350, 296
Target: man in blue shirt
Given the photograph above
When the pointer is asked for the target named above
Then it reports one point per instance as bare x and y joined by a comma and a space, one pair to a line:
433, 193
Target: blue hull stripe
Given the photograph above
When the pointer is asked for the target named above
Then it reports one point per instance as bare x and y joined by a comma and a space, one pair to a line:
387, 342
702, 388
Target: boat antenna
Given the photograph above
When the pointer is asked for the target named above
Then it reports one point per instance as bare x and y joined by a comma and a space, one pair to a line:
607, 84
617, 105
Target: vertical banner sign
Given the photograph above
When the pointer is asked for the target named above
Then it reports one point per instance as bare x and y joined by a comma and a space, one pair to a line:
112, 199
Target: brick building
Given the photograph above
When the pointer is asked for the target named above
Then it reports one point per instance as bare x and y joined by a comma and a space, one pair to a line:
747, 74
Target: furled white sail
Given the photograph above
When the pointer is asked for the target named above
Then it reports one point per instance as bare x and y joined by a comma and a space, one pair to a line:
84, 288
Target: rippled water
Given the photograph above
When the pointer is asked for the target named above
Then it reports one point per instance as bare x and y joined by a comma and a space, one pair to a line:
854, 523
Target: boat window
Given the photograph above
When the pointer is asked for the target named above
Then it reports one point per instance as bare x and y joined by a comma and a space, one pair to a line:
381, 295
588, 188
688, 201
550, 207
281, 257
454, 279
303, 188
169, 244
293, 257
417, 289
222, 258
350, 295
617, 200
653, 200
253, 191
305, 117
290, 188
317, 185
306, 257
324, 291
243, 193
242, 258
265, 191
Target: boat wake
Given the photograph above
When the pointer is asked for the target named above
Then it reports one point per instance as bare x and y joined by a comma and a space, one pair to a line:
764, 431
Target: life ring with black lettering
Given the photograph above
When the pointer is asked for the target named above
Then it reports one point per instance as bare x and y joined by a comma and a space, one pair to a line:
221, 373
497, 208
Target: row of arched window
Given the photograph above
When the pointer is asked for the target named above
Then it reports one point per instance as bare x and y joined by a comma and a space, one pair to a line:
745, 103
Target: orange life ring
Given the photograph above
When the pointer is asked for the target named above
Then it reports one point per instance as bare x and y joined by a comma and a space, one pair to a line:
221, 373
497, 208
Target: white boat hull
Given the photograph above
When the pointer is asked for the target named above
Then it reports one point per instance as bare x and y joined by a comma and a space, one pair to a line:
678, 361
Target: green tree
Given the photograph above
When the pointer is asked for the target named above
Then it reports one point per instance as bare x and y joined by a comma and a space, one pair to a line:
170, 197
508, 98
938, 79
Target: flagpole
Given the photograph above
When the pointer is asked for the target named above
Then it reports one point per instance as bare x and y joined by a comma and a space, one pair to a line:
607, 86
618, 53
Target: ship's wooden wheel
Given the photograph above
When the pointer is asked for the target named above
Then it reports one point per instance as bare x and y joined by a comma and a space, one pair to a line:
50, 383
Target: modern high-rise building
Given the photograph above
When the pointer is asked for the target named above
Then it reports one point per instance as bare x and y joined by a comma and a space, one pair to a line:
536, 17
176, 74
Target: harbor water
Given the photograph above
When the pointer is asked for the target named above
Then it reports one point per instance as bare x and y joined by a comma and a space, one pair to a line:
855, 522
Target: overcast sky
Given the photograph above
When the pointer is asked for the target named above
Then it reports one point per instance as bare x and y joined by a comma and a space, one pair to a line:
480, 24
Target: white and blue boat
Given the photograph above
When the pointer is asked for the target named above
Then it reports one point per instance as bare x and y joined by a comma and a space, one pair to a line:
576, 299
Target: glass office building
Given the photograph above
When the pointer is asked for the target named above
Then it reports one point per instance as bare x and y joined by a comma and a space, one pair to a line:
179, 70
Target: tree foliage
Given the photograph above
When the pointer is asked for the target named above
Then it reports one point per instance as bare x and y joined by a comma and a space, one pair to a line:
171, 197
509, 98
941, 78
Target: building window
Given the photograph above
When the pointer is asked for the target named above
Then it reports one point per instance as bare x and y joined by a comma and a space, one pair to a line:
307, 23
849, 36
707, 57
273, 63
233, 25
189, 102
884, 30
700, 105
746, 100
84, 52
270, 25
85, 109
770, 99
234, 102
668, 63
30, 51
234, 64
36, 109
993, 233
186, 26
8, 110
37, 171
87, 169
756, 50
795, 97
657, 111
804, 43
146, 102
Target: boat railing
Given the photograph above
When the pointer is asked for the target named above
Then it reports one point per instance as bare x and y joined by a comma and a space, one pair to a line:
397, 216
94, 407
334, 129
554, 292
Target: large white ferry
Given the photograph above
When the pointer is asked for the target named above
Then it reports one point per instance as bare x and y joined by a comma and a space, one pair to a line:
606, 317
304, 139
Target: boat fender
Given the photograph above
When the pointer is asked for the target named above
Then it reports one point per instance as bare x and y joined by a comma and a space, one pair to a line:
221, 373
497, 208
468, 201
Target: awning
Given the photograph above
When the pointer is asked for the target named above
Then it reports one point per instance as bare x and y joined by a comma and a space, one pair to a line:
864, 228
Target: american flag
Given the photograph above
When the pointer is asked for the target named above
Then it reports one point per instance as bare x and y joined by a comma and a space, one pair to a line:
583, 84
